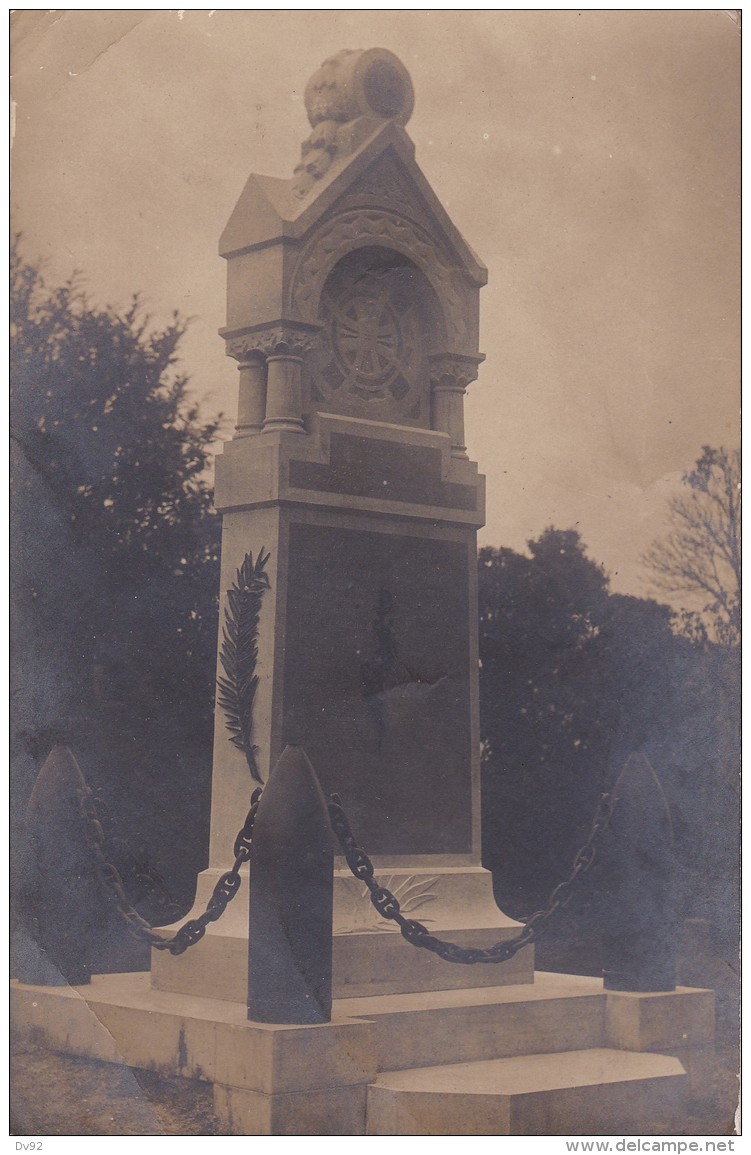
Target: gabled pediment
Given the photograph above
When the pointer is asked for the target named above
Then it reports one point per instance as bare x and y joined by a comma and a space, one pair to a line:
380, 171
262, 214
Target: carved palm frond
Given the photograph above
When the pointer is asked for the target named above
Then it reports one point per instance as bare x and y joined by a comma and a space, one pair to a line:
239, 655
411, 893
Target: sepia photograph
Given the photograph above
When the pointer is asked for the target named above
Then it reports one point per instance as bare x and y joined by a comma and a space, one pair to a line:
375, 574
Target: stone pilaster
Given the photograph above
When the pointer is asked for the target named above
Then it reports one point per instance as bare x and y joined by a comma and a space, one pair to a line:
449, 378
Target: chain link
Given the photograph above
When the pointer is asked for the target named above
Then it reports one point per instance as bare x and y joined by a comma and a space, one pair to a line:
362, 868
194, 929
415, 933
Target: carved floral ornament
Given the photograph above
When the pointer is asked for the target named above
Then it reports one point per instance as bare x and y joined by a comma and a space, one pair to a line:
275, 341
453, 373
367, 227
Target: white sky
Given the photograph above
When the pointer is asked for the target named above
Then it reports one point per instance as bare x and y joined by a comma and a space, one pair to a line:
590, 158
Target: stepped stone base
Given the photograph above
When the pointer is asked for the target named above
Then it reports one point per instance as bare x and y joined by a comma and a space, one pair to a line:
598, 1091
556, 1056
370, 957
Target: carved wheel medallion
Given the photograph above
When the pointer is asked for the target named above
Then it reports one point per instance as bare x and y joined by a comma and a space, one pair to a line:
367, 342
370, 358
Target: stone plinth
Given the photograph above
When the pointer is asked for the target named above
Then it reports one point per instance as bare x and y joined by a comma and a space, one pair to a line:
370, 957
367, 642
539, 1058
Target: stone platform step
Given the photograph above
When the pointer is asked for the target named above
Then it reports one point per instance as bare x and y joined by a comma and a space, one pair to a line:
594, 1091
122, 1018
554, 1013
414, 1052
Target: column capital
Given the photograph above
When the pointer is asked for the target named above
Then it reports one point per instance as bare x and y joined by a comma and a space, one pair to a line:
450, 374
282, 338
453, 371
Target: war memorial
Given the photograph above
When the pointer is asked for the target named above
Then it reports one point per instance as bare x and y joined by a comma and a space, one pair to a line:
375, 988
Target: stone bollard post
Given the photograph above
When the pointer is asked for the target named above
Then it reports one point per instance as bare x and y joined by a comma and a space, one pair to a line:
637, 876
291, 898
64, 905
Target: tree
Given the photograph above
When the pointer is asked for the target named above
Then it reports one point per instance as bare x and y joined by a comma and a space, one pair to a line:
700, 556
573, 679
115, 556
545, 735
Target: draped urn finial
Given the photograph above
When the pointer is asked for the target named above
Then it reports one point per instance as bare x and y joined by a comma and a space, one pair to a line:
361, 82
355, 88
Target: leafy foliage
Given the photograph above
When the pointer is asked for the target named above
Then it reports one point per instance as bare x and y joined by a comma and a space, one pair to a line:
115, 553
239, 654
544, 737
700, 555
573, 679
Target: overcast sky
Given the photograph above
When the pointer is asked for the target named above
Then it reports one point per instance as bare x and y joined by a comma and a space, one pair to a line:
591, 159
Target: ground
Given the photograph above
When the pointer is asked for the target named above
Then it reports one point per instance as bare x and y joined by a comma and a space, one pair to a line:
55, 1094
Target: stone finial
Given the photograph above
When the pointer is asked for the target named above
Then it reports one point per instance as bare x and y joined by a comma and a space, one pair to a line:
351, 85
364, 82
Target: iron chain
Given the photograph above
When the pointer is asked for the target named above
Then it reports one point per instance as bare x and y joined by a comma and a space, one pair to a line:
362, 868
194, 929
415, 933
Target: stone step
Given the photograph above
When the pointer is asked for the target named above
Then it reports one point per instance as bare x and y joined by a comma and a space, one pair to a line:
597, 1091
122, 1018
282, 1079
555, 1013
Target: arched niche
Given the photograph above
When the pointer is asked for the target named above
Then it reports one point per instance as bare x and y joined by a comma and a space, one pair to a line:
358, 229
381, 322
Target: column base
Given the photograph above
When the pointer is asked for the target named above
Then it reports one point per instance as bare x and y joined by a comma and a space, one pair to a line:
290, 425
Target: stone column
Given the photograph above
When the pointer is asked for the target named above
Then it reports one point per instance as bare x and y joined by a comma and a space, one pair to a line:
270, 363
251, 401
284, 392
285, 347
449, 378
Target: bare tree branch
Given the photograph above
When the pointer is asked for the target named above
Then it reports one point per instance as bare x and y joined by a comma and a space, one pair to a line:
700, 555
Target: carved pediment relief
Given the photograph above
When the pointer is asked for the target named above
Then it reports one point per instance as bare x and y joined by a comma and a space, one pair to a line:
385, 185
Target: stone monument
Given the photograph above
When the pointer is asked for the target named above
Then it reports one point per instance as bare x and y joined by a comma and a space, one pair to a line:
353, 316
352, 307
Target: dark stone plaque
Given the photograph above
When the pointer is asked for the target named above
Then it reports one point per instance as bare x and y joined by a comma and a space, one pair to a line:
376, 682
367, 467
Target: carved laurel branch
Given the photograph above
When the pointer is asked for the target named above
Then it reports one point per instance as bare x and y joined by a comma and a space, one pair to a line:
363, 227
318, 153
